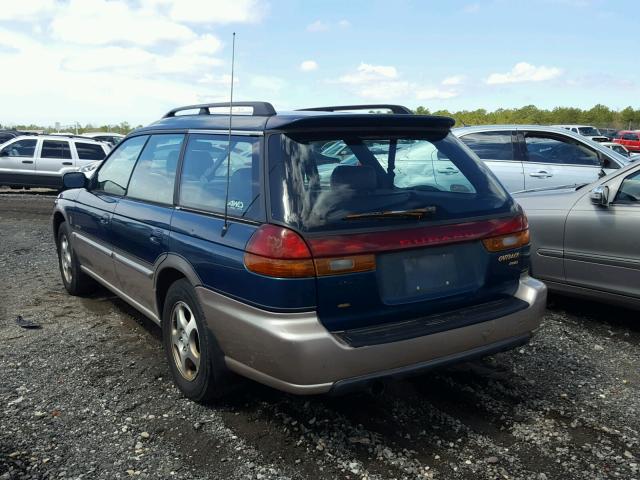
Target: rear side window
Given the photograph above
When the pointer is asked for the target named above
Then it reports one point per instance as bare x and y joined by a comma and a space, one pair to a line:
383, 176
630, 136
90, 151
21, 148
204, 175
55, 149
490, 145
542, 148
154, 176
114, 174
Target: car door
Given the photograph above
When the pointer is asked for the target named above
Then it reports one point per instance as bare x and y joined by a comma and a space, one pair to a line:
552, 159
142, 219
17, 162
601, 242
497, 150
93, 210
51, 159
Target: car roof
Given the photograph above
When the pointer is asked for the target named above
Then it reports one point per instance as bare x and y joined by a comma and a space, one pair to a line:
545, 128
572, 125
99, 134
268, 119
57, 137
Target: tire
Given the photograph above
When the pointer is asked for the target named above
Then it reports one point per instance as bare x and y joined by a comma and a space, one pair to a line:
74, 279
195, 359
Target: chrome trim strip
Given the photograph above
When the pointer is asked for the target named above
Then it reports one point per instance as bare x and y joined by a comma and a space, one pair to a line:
133, 264
252, 133
96, 245
122, 295
603, 260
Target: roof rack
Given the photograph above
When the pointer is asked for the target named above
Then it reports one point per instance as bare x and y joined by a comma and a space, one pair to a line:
397, 109
260, 109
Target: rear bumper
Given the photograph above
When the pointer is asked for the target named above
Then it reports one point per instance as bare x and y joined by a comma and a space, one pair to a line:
293, 352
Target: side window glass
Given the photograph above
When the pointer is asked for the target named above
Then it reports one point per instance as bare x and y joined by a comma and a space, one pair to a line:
155, 173
115, 172
204, 175
490, 145
55, 149
547, 149
629, 191
90, 151
21, 148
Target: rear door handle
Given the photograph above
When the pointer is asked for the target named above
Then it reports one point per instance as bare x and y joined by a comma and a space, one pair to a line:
541, 174
27, 161
67, 163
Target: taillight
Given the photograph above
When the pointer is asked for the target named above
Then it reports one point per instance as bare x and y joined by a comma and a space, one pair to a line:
515, 235
279, 252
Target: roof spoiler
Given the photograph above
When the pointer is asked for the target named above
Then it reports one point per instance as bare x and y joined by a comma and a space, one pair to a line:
260, 109
397, 109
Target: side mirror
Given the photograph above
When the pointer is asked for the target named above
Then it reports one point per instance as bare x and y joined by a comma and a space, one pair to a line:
600, 196
4, 152
74, 180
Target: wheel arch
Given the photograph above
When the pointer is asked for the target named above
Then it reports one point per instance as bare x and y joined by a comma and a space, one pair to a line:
172, 268
57, 220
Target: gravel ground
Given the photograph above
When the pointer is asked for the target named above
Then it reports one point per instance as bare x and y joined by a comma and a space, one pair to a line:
89, 396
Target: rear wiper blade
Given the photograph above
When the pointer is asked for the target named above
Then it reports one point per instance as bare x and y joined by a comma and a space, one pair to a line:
416, 213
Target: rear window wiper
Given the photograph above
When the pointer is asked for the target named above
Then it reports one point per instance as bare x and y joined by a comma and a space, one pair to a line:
417, 213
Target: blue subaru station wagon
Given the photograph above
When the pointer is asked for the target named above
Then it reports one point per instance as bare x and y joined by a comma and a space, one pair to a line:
313, 251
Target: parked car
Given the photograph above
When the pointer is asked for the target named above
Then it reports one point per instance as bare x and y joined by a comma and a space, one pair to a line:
303, 286
525, 157
584, 240
6, 135
630, 139
610, 133
592, 133
41, 160
109, 137
622, 150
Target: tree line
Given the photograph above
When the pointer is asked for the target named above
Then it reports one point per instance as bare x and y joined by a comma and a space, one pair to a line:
122, 127
599, 116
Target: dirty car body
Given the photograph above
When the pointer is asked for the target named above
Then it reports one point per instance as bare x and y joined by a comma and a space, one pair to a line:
304, 277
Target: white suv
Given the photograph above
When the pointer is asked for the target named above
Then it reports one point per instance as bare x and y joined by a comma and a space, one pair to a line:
40, 161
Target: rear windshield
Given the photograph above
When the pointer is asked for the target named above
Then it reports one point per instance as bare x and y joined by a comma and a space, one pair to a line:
589, 131
350, 180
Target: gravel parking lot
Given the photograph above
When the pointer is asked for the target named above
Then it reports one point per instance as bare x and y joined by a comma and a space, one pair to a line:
89, 396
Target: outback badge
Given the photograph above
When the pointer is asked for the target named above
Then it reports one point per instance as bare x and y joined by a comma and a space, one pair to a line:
511, 258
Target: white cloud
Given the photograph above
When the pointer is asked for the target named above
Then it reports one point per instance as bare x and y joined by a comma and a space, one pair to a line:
109, 61
524, 72
318, 26
435, 94
322, 26
382, 82
117, 23
453, 80
309, 66
26, 9
217, 11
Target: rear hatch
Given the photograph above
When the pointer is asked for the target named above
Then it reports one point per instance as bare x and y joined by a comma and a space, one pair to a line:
408, 232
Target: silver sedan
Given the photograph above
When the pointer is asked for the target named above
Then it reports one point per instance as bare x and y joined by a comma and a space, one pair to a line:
585, 240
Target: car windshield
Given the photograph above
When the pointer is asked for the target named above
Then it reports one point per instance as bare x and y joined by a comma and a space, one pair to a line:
588, 131
351, 180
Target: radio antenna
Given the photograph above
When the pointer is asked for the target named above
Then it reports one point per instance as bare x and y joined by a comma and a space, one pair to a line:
226, 197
